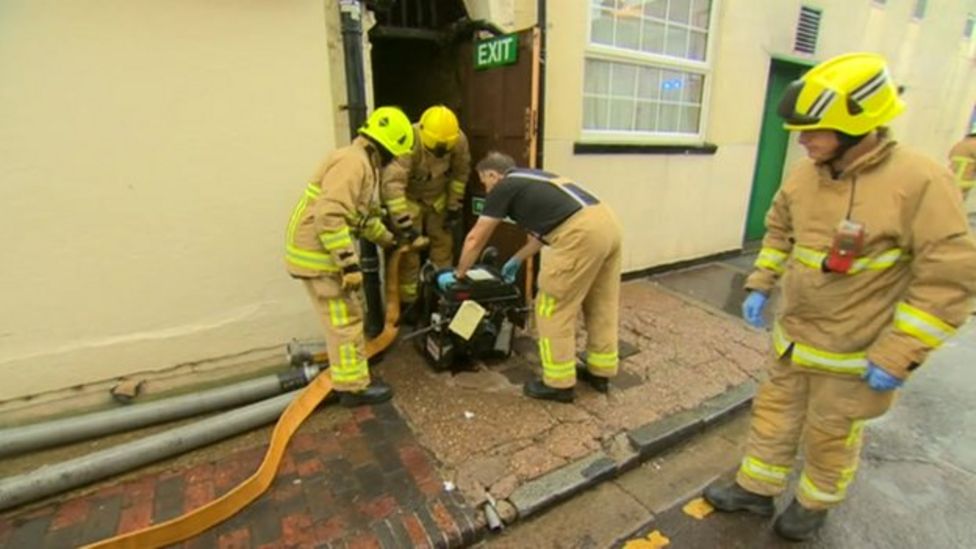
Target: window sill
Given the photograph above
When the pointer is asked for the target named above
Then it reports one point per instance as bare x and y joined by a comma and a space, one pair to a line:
621, 148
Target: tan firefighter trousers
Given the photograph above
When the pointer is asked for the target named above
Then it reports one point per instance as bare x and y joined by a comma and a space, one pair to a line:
827, 411
341, 315
580, 269
441, 251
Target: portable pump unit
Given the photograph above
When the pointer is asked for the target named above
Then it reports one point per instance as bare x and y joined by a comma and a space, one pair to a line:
494, 333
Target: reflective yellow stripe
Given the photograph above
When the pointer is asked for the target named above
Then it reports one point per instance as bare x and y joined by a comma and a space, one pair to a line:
374, 228
408, 291
854, 436
350, 367
397, 205
552, 369
545, 305
962, 165
338, 312
808, 489
819, 359
771, 259
602, 360
924, 327
457, 187
756, 468
814, 259
334, 240
440, 203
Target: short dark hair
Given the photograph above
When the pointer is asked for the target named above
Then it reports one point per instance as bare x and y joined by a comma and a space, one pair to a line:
495, 161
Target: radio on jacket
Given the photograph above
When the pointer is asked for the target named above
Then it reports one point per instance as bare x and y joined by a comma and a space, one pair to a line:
847, 246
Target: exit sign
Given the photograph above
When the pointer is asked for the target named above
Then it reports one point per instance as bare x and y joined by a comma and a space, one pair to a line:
477, 205
496, 52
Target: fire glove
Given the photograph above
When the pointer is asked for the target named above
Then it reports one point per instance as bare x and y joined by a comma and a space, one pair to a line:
752, 309
451, 218
510, 269
879, 379
446, 280
413, 240
352, 279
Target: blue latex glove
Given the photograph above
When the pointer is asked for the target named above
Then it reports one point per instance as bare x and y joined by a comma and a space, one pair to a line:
444, 280
510, 269
879, 379
752, 309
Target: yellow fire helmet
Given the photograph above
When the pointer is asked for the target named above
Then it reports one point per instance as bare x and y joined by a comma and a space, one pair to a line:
391, 129
851, 93
439, 129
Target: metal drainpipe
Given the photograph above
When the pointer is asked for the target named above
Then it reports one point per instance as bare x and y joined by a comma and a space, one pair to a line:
542, 21
350, 13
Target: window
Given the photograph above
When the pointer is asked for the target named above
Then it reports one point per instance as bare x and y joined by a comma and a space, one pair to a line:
967, 30
920, 6
646, 70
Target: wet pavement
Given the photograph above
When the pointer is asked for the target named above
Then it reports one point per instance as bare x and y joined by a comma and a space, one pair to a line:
447, 441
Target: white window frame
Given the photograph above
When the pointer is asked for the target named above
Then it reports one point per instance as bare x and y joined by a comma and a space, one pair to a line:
610, 53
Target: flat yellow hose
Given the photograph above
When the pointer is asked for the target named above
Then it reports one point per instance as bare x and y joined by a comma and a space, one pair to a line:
203, 518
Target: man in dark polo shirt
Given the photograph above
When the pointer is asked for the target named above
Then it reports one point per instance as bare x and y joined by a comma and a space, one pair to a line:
580, 268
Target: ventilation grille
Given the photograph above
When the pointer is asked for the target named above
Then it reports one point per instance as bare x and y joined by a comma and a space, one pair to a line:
807, 30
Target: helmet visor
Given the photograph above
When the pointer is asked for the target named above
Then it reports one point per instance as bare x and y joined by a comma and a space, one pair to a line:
787, 107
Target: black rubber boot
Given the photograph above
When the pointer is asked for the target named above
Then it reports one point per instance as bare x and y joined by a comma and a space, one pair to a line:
732, 497
537, 389
599, 384
797, 523
376, 393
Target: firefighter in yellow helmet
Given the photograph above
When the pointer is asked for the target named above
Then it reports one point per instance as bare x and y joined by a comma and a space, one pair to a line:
341, 202
962, 161
424, 192
876, 267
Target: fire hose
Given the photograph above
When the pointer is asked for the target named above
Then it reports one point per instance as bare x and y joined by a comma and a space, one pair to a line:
203, 518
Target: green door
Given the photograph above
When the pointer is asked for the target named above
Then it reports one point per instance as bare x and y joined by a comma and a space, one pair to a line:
773, 141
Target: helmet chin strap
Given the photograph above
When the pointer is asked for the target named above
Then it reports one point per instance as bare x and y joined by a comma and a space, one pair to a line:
847, 141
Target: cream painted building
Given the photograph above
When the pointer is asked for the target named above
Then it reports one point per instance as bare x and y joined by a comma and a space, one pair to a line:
150, 154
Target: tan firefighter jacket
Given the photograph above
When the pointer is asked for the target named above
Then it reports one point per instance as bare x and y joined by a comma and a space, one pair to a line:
340, 203
422, 178
910, 288
962, 159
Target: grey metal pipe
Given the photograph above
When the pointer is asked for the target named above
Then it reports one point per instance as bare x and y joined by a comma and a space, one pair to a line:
52, 479
19, 440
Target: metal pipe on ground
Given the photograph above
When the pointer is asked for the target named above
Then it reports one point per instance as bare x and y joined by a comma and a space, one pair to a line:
19, 440
53, 479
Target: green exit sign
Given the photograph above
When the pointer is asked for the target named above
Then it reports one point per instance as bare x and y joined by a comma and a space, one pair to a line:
477, 205
496, 52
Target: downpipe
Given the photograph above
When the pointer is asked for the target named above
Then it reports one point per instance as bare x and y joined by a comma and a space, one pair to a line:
60, 477
19, 440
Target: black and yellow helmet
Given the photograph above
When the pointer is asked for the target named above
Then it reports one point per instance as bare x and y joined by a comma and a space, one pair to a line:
851, 93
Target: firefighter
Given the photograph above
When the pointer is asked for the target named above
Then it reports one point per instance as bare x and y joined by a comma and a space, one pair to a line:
341, 202
962, 161
580, 269
876, 268
424, 191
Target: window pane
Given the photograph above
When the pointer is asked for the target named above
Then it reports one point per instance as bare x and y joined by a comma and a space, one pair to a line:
597, 77
656, 8
623, 80
653, 38
668, 120
671, 86
688, 123
679, 11
676, 41
699, 13
646, 119
692, 88
595, 113
622, 114
602, 27
628, 32
649, 86
696, 49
